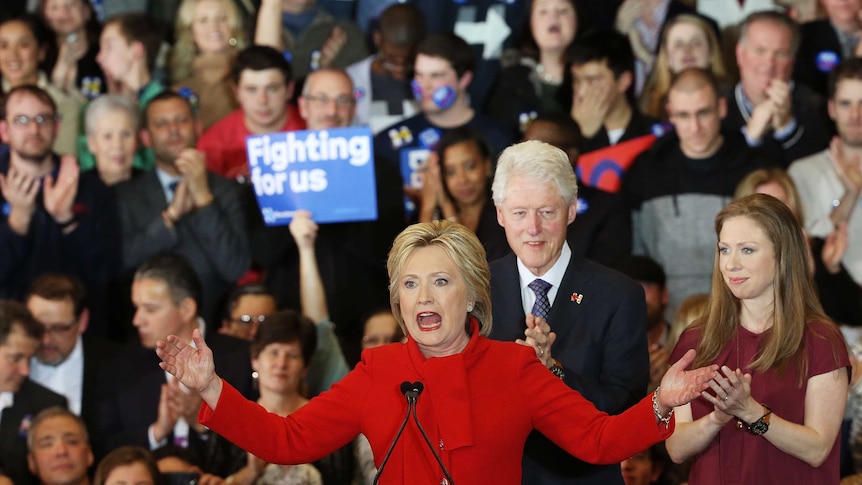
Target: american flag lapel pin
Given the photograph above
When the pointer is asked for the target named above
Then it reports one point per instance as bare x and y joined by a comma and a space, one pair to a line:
577, 297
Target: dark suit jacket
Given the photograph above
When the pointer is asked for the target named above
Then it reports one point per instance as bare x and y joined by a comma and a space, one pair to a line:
813, 131
602, 230
213, 238
29, 400
97, 384
819, 52
601, 343
133, 406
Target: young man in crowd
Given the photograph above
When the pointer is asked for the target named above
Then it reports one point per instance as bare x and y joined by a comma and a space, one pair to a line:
263, 81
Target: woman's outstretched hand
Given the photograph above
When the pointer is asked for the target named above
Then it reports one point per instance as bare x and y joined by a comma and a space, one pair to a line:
679, 386
191, 365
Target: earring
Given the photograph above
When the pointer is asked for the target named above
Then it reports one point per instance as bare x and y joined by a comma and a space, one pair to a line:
232, 42
469, 307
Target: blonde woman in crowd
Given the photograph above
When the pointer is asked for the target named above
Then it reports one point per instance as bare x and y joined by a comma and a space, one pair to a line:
687, 41
209, 34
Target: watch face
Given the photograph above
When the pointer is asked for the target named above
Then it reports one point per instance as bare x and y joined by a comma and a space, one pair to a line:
758, 428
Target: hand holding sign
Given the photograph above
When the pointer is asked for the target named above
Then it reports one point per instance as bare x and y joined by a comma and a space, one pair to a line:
303, 229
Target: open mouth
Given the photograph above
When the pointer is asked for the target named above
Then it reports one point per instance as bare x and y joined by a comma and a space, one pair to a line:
429, 321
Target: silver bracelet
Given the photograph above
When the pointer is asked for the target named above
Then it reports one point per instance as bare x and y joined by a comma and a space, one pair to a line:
663, 419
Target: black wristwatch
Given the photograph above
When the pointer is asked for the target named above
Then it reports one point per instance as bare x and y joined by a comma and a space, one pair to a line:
760, 426
557, 369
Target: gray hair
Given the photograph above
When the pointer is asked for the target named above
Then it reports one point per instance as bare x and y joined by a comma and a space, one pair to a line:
109, 103
54, 412
306, 87
538, 162
775, 18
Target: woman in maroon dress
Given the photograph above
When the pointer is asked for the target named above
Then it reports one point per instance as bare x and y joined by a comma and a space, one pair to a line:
773, 413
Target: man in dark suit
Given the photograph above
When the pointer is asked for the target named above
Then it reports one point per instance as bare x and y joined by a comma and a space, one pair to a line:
20, 398
67, 361
826, 42
147, 409
182, 208
596, 314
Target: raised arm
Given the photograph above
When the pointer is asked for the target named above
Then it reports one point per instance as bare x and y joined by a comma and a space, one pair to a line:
328, 364
268, 25
311, 293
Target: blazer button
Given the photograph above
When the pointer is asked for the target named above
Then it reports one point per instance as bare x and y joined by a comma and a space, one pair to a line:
441, 445
443, 481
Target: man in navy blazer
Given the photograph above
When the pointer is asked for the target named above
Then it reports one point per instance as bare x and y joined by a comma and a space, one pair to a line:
147, 408
596, 314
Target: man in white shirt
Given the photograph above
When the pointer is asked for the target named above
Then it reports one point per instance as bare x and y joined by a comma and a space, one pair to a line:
147, 408
830, 181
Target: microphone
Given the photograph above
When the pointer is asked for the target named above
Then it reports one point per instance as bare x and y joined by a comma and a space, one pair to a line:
411, 391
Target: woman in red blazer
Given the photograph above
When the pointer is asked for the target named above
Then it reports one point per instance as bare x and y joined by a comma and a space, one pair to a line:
481, 397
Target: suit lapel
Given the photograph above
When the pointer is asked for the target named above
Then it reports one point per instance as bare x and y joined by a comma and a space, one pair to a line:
566, 312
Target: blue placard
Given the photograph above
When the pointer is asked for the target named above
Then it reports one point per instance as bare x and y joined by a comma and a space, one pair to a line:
327, 172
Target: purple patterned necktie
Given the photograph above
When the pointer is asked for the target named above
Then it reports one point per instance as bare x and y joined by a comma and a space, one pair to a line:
542, 306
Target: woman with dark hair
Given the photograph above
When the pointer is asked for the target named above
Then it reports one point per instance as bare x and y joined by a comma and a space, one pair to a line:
23, 47
780, 394
281, 351
530, 79
128, 465
72, 59
456, 187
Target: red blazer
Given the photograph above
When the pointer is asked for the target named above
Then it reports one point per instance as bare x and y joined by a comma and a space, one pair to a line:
477, 407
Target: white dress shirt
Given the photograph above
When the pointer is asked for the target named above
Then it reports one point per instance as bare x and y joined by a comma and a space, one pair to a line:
65, 378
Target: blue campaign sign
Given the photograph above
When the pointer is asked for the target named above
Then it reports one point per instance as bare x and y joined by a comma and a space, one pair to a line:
327, 172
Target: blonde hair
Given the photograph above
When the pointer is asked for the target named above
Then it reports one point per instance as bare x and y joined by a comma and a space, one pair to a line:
659, 80
762, 176
463, 248
795, 301
689, 312
184, 50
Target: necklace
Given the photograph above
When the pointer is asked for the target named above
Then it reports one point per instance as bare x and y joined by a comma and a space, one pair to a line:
546, 77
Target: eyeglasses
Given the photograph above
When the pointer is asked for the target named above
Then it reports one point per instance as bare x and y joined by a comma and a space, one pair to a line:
248, 319
23, 121
342, 101
60, 328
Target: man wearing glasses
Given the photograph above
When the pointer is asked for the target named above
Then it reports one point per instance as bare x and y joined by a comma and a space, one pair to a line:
52, 217
66, 361
347, 252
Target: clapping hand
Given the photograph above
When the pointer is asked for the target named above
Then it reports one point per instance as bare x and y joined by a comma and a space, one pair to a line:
731, 394
59, 195
539, 336
19, 189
